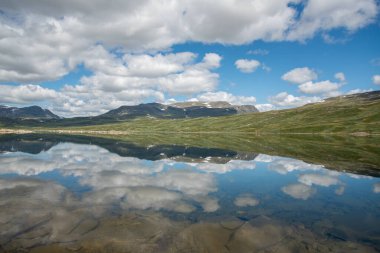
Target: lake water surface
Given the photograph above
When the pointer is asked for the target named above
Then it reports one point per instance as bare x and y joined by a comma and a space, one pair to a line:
65, 195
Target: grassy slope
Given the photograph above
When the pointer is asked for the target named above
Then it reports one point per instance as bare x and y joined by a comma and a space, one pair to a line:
344, 115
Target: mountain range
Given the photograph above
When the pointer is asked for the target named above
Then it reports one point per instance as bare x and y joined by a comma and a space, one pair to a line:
178, 110
30, 112
357, 114
155, 110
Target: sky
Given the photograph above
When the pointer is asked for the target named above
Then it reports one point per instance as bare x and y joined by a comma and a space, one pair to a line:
81, 58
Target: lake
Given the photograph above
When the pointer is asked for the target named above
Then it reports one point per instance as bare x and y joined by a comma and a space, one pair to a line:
193, 194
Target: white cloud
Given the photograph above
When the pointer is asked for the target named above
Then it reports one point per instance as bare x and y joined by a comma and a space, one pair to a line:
47, 36
376, 79
245, 200
317, 179
325, 16
211, 60
46, 40
340, 76
135, 78
156, 199
22, 94
285, 165
305, 79
284, 99
37, 48
265, 107
247, 66
225, 96
189, 82
320, 87
357, 91
157, 65
227, 167
265, 158
298, 191
142, 184
300, 75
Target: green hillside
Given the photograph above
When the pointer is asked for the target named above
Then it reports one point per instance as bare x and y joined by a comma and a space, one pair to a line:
346, 114
358, 113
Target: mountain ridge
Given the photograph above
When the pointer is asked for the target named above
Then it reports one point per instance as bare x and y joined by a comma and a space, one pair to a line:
357, 114
178, 110
125, 112
29, 112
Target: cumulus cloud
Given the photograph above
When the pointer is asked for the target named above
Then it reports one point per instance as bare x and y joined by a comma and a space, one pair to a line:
145, 65
284, 99
376, 79
225, 96
47, 36
305, 79
265, 158
300, 75
326, 87
265, 107
285, 165
354, 91
135, 78
142, 184
51, 39
299, 191
247, 66
22, 94
227, 167
318, 179
324, 16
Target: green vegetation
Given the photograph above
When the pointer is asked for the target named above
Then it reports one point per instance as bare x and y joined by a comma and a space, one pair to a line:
350, 114
359, 114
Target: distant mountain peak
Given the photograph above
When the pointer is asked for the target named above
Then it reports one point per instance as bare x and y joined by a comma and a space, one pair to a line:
29, 112
178, 110
211, 104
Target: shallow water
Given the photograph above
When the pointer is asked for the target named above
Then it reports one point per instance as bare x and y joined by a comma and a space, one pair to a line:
62, 196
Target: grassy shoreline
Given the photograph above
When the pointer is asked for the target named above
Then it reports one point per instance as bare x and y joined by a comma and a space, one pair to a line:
116, 132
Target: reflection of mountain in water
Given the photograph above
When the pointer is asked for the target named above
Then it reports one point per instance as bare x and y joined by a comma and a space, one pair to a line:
31, 146
354, 155
35, 144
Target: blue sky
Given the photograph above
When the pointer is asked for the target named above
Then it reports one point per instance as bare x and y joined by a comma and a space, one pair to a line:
77, 58
354, 57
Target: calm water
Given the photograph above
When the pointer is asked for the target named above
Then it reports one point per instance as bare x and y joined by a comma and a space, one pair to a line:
62, 196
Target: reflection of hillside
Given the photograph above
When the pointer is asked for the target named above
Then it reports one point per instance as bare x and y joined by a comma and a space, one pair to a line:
359, 155
31, 146
34, 144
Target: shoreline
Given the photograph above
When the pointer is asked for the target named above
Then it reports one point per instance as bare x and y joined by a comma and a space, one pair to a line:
117, 132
